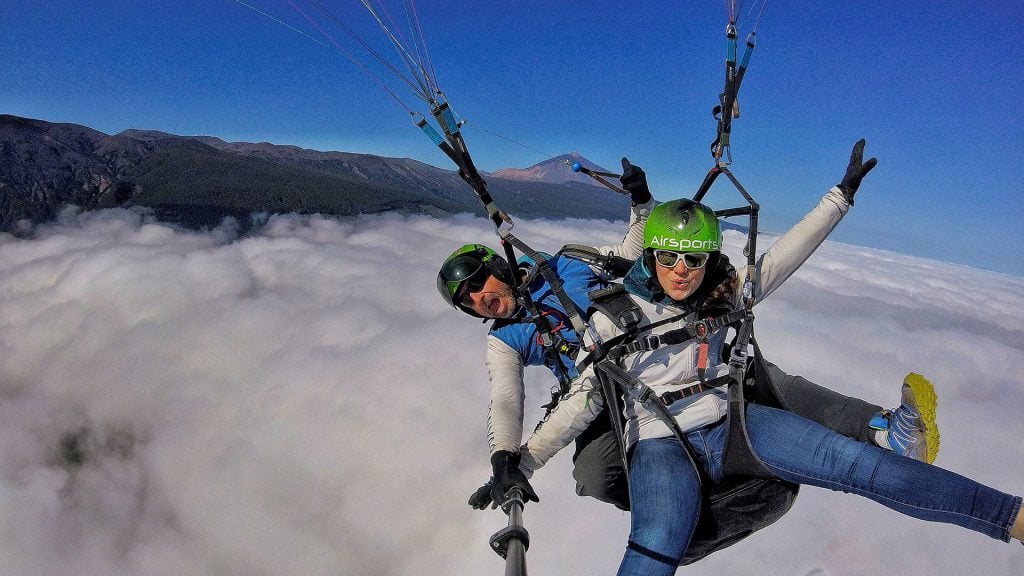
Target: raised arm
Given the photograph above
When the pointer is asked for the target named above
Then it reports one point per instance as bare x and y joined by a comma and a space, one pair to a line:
634, 181
791, 250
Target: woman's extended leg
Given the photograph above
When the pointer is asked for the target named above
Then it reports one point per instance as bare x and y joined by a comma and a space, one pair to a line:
802, 451
665, 494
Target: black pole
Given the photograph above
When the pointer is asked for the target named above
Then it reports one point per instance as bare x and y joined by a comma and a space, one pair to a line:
512, 541
599, 176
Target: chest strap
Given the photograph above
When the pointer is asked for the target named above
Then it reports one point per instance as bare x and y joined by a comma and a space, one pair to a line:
699, 330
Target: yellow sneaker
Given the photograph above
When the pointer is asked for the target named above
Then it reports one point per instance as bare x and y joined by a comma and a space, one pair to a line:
912, 428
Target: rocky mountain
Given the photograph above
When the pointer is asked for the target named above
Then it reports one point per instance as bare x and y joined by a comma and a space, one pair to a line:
198, 180
554, 170
44, 166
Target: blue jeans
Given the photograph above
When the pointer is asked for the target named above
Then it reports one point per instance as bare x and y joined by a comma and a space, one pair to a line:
666, 498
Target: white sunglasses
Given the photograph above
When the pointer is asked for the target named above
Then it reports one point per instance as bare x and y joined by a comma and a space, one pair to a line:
692, 260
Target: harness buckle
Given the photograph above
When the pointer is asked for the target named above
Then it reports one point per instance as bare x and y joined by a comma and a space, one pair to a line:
645, 394
738, 358
630, 318
651, 342
701, 330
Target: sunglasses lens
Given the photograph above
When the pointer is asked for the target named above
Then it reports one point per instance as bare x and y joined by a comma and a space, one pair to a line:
666, 258
695, 259
472, 285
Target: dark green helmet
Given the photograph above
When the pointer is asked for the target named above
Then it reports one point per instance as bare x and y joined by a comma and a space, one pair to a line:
466, 270
683, 226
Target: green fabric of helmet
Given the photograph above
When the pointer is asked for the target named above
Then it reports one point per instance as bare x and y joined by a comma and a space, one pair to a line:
683, 226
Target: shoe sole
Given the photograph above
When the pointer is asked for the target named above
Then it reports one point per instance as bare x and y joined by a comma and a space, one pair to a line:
927, 402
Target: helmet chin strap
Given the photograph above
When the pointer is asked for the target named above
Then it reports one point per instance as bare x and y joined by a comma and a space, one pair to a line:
520, 308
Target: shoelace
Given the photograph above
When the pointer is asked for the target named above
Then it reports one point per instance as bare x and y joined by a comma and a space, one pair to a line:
905, 420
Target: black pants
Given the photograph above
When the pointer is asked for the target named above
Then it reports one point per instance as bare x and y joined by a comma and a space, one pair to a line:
597, 463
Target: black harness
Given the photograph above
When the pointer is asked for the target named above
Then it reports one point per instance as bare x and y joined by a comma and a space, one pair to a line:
749, 497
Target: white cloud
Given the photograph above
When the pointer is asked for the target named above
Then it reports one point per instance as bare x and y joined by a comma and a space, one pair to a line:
301, 402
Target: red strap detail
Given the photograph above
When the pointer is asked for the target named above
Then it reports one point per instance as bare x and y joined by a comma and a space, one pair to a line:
554, 329
702, 329
702, 356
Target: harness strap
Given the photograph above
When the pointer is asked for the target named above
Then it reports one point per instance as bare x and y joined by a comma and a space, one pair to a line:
544, 333
694, 330
604, 349
670, 398
656, 556
615, 266
646, 396
702, 360
544, 267
614, 407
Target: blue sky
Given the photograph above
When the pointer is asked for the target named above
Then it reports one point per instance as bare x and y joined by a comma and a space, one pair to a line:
932, 87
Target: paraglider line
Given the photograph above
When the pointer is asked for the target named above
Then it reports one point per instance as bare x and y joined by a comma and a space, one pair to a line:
416, 90
410, 62
530, 148
283, 23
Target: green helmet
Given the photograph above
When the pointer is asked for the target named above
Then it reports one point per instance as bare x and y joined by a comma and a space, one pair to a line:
683, 226
466, 270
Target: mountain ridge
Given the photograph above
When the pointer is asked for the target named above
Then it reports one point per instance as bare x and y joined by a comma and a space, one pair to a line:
196, 180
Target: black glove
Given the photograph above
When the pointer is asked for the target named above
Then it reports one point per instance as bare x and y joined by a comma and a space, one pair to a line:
634, 181
482, 497
507, 475
856, 171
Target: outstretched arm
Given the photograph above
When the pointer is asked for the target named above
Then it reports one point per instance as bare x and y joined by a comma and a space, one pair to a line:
504, 426
575, 411
505, 412
790, 251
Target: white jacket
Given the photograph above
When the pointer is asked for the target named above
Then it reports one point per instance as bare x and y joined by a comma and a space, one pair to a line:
671, 367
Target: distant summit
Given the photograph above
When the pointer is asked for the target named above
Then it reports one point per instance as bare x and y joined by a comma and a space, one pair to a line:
557, 170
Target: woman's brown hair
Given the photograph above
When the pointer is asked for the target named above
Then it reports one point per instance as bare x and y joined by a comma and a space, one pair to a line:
717, 293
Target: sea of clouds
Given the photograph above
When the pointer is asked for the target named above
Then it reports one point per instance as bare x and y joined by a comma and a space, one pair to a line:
299, 401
